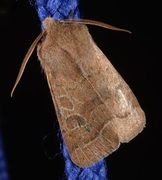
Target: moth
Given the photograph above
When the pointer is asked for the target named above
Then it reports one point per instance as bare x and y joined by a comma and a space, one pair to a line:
95, 107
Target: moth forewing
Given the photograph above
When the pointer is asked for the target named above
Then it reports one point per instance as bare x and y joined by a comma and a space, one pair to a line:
96, 109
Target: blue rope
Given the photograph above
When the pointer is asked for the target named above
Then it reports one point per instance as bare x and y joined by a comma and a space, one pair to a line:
61, 9
95, 172
57, 9
3, 168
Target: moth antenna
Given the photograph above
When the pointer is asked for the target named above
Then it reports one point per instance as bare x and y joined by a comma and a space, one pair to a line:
25, 60
96, 23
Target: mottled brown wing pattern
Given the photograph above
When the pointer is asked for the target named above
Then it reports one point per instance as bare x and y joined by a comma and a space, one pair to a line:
96, 109
85, 122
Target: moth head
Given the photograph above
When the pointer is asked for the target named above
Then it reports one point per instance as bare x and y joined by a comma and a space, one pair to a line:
48, 23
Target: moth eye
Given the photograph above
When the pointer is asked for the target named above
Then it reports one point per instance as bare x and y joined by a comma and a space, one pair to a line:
75, 121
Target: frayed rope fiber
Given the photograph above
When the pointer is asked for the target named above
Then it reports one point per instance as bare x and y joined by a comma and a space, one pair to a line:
62, 9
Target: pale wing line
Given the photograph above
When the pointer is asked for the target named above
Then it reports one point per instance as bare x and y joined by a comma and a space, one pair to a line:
93, 142
76, 155
96, 152
69, 99
105, 150
66, 109
104, 136
113, 148
83, 153
102, 145
77, 100
97, 155
101, 135
89, 150
97, 148
53, 97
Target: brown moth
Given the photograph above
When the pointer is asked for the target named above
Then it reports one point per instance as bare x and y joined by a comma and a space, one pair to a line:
95, 107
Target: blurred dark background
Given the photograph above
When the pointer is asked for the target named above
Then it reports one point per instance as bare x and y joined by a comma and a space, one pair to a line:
29, 116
